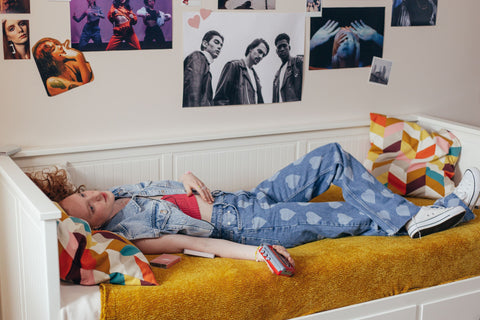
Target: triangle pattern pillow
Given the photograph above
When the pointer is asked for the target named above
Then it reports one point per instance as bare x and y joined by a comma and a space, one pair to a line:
409, 160
90, 258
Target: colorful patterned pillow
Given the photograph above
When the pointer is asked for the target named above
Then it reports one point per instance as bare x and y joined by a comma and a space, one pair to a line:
91, 258
409, 160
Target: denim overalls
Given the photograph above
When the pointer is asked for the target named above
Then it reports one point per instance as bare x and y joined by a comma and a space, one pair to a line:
277, 211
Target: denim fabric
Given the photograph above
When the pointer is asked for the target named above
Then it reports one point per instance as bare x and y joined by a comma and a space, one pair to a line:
144, 217
277, 211
90, 32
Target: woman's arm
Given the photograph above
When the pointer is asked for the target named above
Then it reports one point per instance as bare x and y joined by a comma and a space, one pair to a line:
57, 85
67, 81
176, 243
80, 18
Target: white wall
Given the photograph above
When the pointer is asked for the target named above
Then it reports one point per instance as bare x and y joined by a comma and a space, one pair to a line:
138, 95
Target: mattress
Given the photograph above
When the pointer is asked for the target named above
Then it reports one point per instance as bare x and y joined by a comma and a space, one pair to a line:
331, 273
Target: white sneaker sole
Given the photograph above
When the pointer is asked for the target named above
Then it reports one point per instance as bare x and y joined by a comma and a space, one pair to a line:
476, 188
436, 224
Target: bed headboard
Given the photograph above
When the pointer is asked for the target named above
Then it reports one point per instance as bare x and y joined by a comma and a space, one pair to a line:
228, 163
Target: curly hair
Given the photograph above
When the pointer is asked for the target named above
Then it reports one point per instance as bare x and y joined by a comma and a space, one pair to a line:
54, 183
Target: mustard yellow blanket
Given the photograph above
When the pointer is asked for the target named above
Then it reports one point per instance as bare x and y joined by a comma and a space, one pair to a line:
330, 274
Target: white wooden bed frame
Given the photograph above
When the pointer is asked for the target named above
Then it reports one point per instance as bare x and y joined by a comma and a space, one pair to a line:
29, 275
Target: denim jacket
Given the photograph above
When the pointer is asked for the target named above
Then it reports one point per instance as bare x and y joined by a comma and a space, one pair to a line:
144, 217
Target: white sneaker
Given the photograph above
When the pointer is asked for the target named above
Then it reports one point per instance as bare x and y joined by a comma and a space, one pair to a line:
433, 219
468, 189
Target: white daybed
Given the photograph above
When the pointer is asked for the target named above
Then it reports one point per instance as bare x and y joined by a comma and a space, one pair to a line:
29, 273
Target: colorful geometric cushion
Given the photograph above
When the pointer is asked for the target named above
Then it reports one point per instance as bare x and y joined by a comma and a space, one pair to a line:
409, 160
90, 258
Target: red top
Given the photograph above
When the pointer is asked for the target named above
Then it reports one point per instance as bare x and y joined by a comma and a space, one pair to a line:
186, 204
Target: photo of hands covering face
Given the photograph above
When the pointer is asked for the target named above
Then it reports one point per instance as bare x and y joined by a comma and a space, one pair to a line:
346, 37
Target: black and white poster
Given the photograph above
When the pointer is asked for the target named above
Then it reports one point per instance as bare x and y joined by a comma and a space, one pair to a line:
242, 58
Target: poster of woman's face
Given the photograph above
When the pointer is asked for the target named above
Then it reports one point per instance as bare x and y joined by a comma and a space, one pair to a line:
103, 25
244, 51
246, 4
346, 37
14, 6
61, 67
16, 39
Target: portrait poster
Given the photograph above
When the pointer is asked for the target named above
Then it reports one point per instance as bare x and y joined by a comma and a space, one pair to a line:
239, 31
16, 39
247, 4
410, 13
61, 67
346, 37
110, 25
14, 6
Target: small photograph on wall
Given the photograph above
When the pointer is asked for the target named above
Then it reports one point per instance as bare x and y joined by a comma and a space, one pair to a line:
346, 37
261, 62
104, 25
409, 13
61, 67
14, 6
380, 71
16, 39
250, 4
314, 7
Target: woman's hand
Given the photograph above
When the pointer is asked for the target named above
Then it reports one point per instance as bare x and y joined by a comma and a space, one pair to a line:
363, 31
191, 183
366, 33
328, 30
283, 251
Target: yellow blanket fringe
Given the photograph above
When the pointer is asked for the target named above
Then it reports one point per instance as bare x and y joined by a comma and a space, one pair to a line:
330, 273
